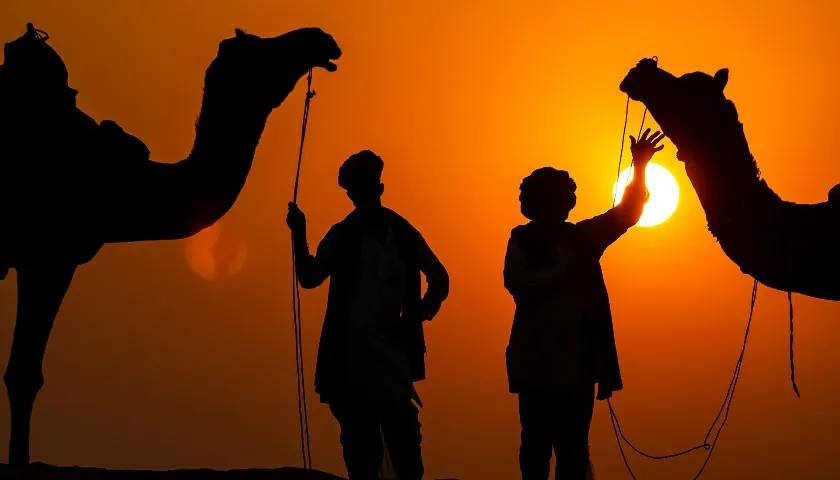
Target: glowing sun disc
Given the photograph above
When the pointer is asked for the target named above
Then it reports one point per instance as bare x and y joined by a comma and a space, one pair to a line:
664, 193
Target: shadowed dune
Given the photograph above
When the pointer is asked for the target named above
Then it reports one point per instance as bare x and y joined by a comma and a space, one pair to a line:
41, 471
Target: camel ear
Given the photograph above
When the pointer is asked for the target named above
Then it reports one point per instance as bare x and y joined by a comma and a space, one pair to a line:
721, 77
239, 32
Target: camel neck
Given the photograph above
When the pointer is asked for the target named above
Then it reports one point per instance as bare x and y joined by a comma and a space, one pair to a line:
226, 127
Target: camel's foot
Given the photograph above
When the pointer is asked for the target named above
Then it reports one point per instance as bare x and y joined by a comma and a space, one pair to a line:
22, 393
19, 453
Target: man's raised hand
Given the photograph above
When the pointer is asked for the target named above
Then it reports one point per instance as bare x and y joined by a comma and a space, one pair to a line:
644, 148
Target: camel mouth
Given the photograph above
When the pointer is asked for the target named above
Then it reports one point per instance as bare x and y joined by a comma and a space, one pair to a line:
334, 54
331, 52
308, 47
316, 46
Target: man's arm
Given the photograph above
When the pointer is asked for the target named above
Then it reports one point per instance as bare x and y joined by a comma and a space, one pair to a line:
437, 280
606, 228
311, 270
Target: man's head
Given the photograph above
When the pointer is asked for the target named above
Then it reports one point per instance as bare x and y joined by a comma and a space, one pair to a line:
361, 176
547, 194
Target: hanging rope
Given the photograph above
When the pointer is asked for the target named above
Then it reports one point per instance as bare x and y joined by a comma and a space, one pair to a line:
719, 420
309, 95
621, 152
623, 140
716, 427
641, 126
792, 363
300, 370
303, 417
644, 115
726, 405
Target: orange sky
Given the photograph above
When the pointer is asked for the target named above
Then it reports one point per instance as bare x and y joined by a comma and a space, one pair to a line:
152, 366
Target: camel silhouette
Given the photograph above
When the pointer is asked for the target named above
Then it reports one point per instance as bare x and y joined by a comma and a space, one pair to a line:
785, 245
69, 185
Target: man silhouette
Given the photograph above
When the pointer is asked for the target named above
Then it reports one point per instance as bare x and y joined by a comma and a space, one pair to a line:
562, 342
372, 347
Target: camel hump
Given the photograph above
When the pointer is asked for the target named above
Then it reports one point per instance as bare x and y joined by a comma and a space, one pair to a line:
116, 142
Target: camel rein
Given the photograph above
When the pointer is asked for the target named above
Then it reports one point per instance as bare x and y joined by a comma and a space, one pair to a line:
303, 412
716, 427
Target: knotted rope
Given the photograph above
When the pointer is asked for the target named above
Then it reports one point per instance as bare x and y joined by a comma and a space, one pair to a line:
303, 413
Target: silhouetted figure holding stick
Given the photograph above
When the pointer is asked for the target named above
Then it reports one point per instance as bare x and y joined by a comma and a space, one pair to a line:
562, 342
372, 347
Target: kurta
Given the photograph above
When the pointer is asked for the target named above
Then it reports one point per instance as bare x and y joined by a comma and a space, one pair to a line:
562, 332
374, 259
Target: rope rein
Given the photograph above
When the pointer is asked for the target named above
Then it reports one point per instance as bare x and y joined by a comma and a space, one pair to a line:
719, 422
792, 362
623, 141
309, 95
300, 370
621, 152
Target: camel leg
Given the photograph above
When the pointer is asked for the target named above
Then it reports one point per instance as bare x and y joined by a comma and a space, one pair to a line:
40, 292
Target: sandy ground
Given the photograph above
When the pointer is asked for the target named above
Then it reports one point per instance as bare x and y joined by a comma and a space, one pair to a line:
40, 471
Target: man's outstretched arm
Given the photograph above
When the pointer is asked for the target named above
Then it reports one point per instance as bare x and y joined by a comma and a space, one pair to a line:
606, 228
311, 270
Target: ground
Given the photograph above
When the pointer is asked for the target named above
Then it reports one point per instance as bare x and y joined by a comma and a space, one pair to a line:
41, 471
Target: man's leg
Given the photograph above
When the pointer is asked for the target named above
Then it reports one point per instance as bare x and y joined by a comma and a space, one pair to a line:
535, 449
361, 441
571, 437
401, 428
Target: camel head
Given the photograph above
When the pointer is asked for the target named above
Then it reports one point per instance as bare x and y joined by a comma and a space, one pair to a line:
691, 109
263, 71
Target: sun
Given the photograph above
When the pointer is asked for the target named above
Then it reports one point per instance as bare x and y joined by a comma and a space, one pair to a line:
664, 193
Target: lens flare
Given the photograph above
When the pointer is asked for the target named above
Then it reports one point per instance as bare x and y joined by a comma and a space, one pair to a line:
215, 252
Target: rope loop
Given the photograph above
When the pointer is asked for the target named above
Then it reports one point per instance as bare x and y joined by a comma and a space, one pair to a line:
716, 427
